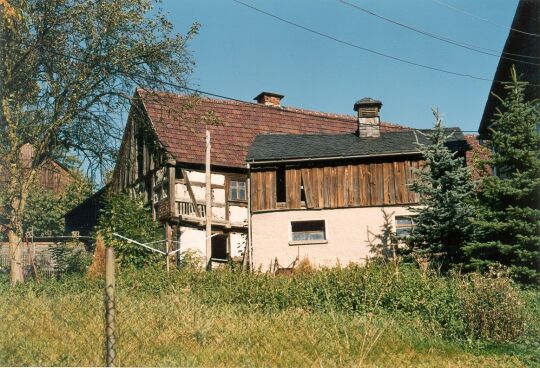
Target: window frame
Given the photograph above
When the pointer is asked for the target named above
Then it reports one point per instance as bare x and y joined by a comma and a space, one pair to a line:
230, 187
398, 227
308, 241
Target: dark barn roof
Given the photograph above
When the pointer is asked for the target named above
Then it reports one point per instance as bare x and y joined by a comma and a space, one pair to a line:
275, 147
527, 19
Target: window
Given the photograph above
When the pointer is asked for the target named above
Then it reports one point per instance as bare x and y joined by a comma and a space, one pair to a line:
308, 230
404, 226
237, 190
281, 187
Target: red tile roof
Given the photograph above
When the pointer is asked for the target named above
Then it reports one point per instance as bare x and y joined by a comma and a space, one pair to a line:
180, 122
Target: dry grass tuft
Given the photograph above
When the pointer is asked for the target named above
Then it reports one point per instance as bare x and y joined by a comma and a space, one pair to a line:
97, 268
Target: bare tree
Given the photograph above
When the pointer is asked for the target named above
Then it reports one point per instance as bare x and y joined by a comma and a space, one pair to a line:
68, 69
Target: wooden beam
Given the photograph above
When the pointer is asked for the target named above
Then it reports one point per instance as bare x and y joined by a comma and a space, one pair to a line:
208, 204
190, 192
172, 188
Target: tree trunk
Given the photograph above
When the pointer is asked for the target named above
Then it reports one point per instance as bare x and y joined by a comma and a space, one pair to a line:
15, 255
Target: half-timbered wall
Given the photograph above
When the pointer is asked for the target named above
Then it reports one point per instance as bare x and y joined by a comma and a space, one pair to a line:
337, 186
141, 167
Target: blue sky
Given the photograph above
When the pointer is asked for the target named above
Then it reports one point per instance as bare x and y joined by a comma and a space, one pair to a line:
240, 52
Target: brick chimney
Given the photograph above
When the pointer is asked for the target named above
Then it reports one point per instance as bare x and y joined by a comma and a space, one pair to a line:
269, 98
368, 117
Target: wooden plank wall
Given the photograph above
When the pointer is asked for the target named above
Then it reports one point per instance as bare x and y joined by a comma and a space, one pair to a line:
357, 185
126, 172
263, 189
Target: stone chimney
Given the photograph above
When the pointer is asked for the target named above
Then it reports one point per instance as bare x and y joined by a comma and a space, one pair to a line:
269, 99
368, 117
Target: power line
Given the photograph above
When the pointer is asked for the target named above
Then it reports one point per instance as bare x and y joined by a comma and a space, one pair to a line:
483, 19
395, 58
199, 91
468, 46
249, 103
206, 93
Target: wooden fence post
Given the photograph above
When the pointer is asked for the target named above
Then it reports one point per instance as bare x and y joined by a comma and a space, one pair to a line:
110, 308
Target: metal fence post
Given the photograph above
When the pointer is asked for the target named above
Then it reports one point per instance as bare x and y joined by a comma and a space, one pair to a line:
110, 308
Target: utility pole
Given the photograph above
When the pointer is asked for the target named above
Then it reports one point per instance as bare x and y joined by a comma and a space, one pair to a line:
208, 205
110, 308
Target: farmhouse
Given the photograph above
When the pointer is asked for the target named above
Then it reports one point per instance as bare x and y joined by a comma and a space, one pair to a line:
318, 196
304, 169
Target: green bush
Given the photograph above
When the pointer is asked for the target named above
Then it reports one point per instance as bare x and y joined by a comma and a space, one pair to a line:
128, 217
69, 258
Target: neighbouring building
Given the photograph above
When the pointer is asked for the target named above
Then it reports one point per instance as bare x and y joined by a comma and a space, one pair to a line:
84, 217
523, 43
162, 158
52, 175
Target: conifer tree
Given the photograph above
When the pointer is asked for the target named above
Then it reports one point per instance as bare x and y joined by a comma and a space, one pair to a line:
444, 217
508, 222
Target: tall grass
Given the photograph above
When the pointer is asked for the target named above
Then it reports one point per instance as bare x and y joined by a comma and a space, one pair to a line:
353, 316
455, 307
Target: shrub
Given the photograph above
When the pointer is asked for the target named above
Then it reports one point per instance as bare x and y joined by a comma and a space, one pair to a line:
492, 309
129, 217
191, 259
69, 258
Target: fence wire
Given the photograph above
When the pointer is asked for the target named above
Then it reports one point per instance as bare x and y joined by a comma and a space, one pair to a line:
64, 323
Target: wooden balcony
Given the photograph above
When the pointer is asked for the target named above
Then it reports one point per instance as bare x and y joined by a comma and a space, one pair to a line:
188, 213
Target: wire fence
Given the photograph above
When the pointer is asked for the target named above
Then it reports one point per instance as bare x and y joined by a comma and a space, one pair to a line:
42, 262
103, 322
188, 318
46, 260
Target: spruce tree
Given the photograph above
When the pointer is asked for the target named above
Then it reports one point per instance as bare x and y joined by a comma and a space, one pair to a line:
508, 222
444, 217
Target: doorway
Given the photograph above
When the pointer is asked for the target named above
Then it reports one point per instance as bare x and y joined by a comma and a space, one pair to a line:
220, 248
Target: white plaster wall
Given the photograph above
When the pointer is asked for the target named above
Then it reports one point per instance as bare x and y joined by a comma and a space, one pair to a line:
346, 233
200, 177
195, 239
238, 214
199, 193
218, 213
182, 193
218, 195
192, 239
238, 243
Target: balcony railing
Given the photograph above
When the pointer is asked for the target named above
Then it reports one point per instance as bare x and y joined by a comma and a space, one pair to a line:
187, 208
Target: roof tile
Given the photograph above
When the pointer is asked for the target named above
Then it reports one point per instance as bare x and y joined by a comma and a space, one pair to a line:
179, 122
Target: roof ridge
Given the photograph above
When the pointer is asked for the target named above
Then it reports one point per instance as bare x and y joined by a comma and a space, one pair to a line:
286, 109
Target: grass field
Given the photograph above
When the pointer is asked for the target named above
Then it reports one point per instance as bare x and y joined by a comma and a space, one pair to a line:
328, 318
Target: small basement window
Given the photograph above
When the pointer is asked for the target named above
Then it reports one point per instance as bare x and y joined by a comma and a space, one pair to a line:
404, 226
308, 230
237, 190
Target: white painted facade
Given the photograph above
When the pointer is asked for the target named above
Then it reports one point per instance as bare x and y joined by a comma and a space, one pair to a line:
346, 230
